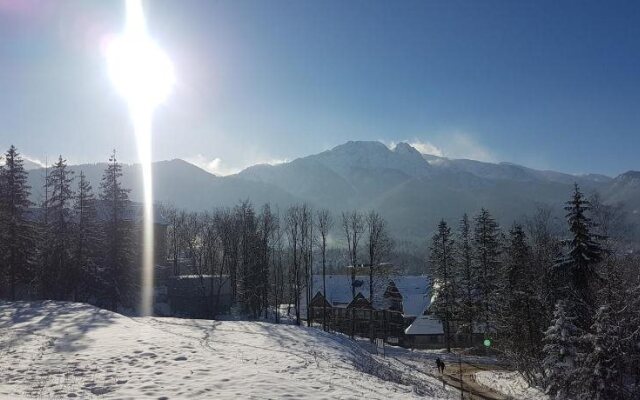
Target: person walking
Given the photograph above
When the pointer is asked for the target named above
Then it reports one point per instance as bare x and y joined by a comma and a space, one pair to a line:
440, 365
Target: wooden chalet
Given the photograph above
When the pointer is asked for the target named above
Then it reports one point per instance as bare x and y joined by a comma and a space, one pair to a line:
397, 301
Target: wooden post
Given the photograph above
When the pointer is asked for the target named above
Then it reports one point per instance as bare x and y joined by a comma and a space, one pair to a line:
353, 323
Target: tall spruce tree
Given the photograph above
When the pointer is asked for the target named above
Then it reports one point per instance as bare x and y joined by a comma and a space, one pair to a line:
58, 282
85, 242
467, 297
442, 262
119, 277
486, 252
17, 234
520, 316
577, 268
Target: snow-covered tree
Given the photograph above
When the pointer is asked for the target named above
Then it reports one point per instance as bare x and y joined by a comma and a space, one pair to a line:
562, 359
486, 265
630, 318
578, 266
16, 235
441, 258
520, 316
603, 365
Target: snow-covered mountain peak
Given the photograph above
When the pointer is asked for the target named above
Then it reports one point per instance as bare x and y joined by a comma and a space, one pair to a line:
373, 156
629, 178
405, 148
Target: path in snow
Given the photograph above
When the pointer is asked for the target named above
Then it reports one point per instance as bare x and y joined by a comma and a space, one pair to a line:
422, 363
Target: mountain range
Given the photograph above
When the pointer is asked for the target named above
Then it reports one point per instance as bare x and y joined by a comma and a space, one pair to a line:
413, 191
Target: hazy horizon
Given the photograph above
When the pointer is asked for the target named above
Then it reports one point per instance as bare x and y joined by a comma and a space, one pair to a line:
546, 85
211, 167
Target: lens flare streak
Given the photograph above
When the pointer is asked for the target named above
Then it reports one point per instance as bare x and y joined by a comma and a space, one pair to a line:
143, 75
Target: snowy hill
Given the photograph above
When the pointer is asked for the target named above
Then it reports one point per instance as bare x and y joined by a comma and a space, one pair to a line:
66, 350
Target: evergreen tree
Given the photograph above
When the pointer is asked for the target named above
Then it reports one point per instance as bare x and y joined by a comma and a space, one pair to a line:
603, 364
86, 239
562, 359
442, 263
17, 234
520, 314
57, 281
118, 278
486, 241
3, 221
578, 266
467, 297
631, 324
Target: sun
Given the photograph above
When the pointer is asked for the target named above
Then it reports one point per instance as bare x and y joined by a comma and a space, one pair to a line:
141, 72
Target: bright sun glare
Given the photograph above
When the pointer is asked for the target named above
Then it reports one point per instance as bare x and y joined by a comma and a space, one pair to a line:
143, 74
140, 70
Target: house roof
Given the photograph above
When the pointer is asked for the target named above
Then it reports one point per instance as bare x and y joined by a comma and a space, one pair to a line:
428, 324
415, 291
425, 325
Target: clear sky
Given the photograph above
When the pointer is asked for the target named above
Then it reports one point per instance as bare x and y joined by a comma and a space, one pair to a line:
545, 84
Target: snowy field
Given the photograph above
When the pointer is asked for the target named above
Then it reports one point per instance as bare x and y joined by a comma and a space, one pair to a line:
511, 384
71, 350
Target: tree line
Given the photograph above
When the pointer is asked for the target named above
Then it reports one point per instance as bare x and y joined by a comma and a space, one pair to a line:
269, 257
562, 307
74, 245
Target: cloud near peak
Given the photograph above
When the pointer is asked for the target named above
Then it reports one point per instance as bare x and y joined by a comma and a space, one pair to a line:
451, 145
219, 167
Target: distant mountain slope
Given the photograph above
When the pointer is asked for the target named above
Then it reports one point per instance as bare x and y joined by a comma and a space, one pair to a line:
412, 190
180, 183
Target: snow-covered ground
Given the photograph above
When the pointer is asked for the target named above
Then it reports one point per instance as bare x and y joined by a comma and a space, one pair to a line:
510, 384
66, 350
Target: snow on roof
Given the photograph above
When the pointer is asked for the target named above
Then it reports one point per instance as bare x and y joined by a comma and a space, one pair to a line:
425, 325
415, 291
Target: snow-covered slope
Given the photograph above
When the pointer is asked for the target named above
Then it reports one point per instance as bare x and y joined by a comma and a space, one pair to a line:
510, 384
65, 350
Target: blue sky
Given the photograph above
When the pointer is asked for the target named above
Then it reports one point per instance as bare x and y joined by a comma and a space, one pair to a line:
551, 85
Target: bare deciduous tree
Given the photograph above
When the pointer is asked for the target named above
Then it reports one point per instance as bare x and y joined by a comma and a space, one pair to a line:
324, 223
353, 227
